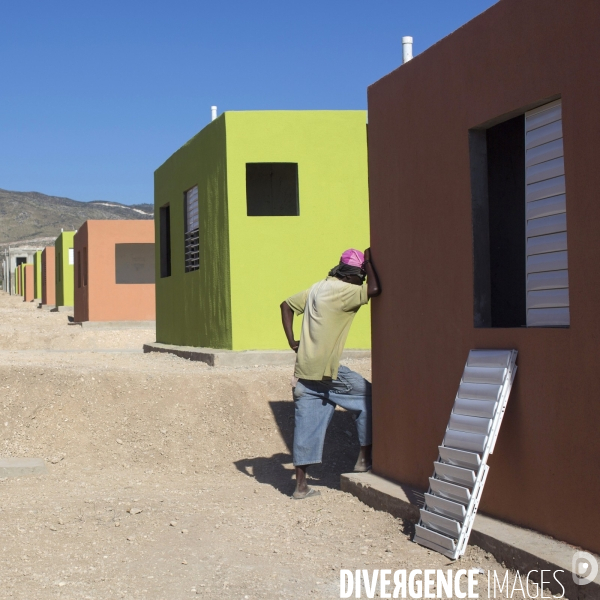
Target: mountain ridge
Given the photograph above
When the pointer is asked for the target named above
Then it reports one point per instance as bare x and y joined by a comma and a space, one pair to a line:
33, 216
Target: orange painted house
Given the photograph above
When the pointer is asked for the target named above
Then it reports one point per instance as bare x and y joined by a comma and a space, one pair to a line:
114, 271
48, 283
28, 295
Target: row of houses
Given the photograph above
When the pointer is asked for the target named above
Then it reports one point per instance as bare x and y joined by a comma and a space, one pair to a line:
257, 206
478, 149
102, 272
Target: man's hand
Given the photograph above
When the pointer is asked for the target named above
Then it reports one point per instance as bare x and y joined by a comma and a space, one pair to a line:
373, 287
287, 320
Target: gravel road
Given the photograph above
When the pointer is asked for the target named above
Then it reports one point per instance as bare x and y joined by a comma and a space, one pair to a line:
169, 479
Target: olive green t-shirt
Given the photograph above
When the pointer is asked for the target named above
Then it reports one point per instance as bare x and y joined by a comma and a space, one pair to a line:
328, 307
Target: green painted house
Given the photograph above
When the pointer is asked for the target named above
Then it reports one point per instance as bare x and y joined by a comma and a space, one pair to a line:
256, 207
37, 275
64, 268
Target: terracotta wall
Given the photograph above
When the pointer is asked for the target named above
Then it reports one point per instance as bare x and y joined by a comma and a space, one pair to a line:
28, 274
48, 282
544, 471
100, 297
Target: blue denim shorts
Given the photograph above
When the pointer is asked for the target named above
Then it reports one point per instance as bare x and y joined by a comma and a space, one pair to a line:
315, 403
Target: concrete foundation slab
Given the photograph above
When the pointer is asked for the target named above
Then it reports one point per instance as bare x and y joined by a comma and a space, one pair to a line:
46, 306
104, 325
22, 467
246, 358
62, 309
518, 548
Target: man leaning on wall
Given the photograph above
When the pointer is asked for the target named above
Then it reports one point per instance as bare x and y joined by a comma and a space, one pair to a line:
328, 309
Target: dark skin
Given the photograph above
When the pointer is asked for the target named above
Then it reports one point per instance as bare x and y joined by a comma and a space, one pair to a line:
287, 320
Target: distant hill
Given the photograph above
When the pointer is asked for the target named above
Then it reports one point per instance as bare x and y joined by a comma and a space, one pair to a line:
31, 216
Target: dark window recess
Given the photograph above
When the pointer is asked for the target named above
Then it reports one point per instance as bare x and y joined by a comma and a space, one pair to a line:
85, 266
21, 260
272, 189
165, 241
498, 209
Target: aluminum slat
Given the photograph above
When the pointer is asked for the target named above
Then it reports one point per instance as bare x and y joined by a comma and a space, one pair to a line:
454, 474
546, 225
546, 170
467, 460
436, 538
462, 440
488, 358
446, 508
479, 391
544, 152
446, 526
545, 189
553, 261
469, 424
454, 492
546, 207
548, 317
543, 135
553, 242
547, 114
548, 280
483, 375
484, 409
548, 298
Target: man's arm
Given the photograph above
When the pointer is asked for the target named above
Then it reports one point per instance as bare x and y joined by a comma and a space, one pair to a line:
373, 287
287, 319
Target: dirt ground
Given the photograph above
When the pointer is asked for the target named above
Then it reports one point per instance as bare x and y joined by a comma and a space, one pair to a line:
168, 479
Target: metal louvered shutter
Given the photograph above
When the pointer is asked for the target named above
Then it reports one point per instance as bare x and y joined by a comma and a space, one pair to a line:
192, 237
546, 219
461, 469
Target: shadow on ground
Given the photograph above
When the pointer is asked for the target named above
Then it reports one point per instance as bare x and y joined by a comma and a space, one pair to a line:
339, 454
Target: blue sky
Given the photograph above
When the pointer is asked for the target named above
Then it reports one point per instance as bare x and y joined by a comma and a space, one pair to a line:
95, 96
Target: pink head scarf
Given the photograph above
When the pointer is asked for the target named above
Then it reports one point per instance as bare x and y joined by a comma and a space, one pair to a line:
352, 257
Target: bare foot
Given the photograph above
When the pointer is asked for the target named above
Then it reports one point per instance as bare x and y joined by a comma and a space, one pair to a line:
307, 493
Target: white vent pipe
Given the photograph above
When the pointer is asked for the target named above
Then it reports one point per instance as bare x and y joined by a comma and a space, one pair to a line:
213, 112
407, 44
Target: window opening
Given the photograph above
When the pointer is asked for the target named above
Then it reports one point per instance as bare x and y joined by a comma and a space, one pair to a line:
165, 241
519, 222
85, 266
272, 190
192, 241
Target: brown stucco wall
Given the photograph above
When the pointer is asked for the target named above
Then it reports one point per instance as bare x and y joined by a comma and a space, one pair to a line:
544, 473
48, 283
28, 283
102, 299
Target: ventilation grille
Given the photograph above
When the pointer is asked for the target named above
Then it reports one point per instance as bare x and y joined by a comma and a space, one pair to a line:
192, 243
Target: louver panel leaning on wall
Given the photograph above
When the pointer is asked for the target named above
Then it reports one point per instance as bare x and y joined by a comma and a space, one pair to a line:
547, 274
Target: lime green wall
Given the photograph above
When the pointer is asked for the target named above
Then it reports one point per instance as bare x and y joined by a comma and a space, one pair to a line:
249, 265
64, 272
37, 275
193, 309
275, 257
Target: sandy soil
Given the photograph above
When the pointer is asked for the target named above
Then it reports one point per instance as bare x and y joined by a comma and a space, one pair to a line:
169, 479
